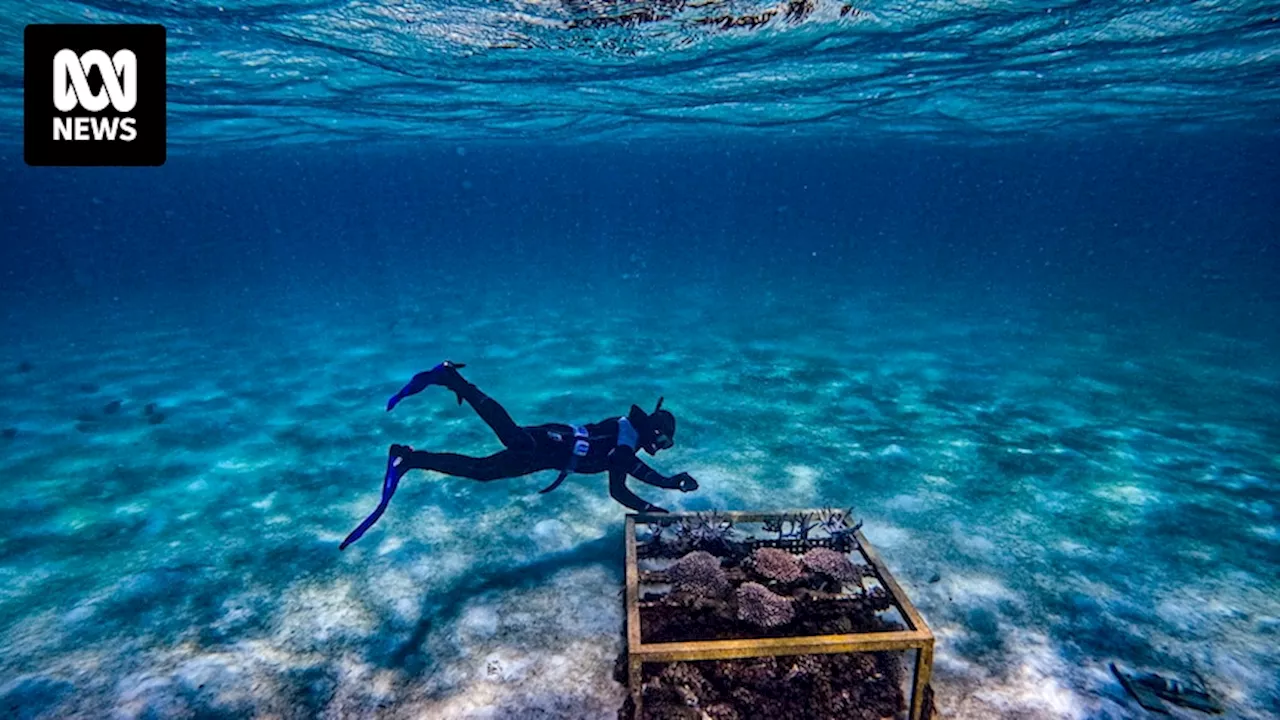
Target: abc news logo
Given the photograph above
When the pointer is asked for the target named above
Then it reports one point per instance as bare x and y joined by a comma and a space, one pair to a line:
71, 90
94, 95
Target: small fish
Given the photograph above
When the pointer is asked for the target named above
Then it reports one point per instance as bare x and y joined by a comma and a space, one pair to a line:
88, 387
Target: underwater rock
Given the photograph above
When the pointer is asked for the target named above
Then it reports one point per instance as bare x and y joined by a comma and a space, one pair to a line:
775, 564
895, 453
502, 667
32, 696
309, 689
83, 611
241, 615
553, 535
479, 622
936, 577
88, 387
148, 589
1267, 625
758, 606
216, 686
9, 433
25, 367
146, 697
699, 573
111, 408
1081, 605
155, 418
830, 563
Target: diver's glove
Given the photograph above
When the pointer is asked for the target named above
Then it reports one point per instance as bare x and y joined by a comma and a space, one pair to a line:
446, 374
685, 482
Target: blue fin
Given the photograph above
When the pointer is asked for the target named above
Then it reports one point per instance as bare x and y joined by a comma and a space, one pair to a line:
389, 484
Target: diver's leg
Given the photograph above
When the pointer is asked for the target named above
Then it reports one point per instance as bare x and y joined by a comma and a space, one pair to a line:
500, 465
494, 415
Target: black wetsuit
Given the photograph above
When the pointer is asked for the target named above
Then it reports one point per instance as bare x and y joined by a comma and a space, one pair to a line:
610, 447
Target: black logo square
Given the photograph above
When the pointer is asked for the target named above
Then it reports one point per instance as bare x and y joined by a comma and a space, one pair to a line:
94, 95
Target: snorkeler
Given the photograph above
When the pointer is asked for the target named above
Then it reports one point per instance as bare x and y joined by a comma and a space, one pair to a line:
609, 445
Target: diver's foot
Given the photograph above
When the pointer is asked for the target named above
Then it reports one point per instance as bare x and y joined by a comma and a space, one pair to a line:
445, 374
398, 462
397, 466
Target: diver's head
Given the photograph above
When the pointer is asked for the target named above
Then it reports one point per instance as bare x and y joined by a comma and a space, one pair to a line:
657, 429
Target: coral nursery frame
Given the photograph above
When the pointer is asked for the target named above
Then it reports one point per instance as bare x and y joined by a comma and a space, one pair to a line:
917, 637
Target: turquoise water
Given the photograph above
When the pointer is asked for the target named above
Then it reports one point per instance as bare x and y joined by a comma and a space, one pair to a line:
1001, 277
325, 71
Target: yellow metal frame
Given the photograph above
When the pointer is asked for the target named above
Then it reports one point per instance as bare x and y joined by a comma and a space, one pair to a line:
917, 637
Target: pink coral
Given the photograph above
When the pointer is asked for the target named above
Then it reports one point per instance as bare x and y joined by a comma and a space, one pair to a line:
700, 573
775, 564
835, 565
758, 606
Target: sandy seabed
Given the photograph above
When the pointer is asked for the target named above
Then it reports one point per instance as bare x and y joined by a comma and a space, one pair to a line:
1053, 497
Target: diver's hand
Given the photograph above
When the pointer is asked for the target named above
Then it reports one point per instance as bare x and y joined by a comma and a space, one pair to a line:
685, 482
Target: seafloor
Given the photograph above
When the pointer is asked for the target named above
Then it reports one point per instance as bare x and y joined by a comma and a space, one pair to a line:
1055, 495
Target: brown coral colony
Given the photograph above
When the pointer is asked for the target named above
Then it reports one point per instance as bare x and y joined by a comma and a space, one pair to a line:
776, 565
831, 564
699, 573
758, 606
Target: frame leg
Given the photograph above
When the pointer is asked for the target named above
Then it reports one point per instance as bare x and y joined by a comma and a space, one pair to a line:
633, 685
924, 671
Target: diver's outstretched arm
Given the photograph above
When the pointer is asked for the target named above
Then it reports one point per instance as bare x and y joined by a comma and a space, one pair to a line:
647, 475
618, 490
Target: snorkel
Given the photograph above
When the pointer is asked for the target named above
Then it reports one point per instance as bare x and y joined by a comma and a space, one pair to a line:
656, 429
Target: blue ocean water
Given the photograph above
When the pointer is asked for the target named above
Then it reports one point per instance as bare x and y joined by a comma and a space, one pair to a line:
1000, 276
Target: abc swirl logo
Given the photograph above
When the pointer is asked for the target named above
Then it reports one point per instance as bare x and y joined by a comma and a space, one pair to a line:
71, 90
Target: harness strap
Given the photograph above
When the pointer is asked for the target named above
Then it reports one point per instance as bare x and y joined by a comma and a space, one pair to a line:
581, 446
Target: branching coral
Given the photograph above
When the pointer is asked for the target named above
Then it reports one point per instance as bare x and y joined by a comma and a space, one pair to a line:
773, 523
832, 564
758, 606
838, 523
710, 531
775, 564
698, 573
712, 528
